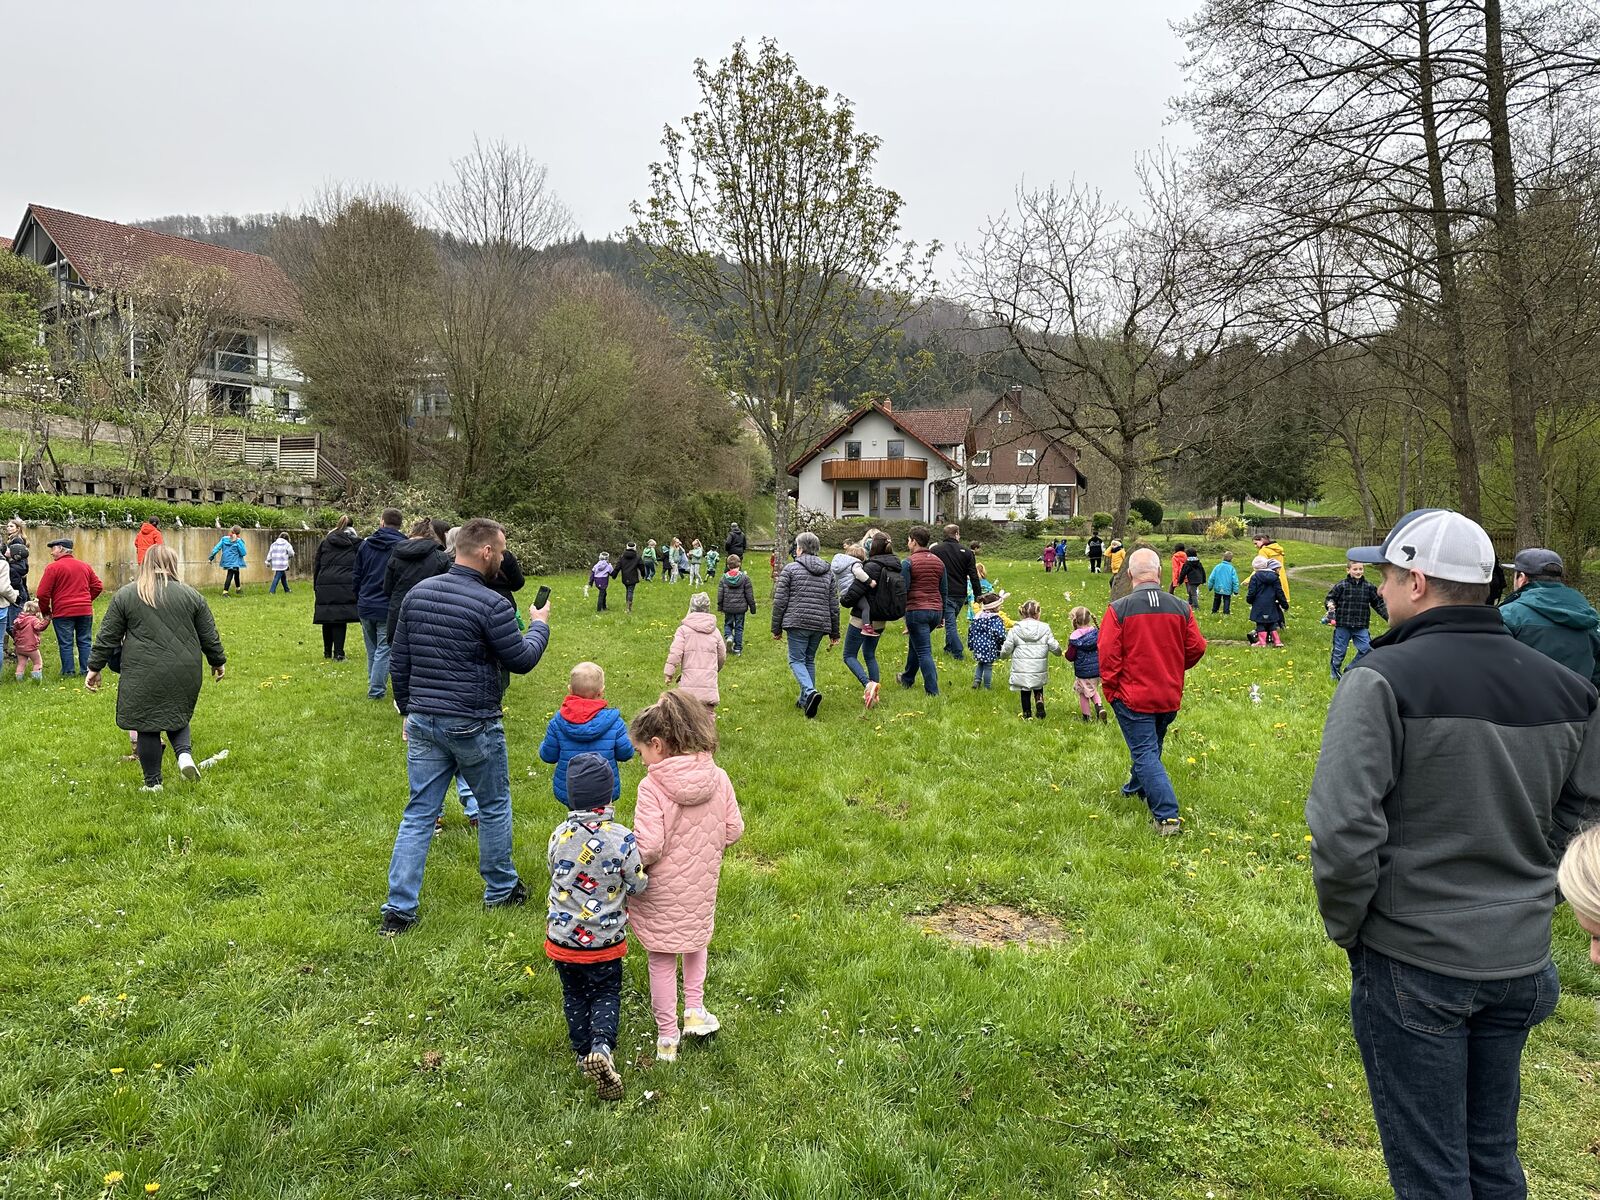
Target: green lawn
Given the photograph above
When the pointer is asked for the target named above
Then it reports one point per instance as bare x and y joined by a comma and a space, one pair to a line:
192, 991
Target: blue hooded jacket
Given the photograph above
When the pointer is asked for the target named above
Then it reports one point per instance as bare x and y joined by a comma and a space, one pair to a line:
372, 559
605, 734
232, 551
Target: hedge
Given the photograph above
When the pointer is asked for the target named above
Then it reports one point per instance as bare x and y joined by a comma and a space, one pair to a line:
45, 509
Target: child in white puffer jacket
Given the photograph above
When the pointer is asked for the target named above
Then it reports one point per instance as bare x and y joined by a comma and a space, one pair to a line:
1029, 646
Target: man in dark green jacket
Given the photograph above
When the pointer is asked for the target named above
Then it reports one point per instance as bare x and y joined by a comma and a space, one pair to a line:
1552, 618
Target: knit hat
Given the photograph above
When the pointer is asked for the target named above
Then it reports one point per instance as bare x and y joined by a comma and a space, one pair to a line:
1261, 563
991, 602
604, 555
590, 782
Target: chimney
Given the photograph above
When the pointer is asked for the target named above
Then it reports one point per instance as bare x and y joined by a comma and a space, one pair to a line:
1016, 391
888, 404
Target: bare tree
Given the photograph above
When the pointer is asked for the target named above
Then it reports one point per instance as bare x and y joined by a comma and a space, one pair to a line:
764, 221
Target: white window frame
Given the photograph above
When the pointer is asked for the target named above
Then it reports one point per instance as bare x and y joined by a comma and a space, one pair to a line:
1005, 498
980, 458
981, 497
1027, 458
1003, 417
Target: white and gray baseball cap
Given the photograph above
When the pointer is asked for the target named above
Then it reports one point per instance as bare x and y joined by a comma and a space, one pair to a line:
1436, 542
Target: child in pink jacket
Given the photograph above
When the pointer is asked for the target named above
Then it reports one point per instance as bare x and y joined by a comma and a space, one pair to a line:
698, 652
687, 815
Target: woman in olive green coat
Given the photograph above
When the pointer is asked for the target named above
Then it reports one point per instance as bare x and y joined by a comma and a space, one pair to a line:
161, 628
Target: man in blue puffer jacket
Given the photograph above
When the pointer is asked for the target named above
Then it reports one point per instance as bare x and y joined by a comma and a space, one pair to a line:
372, 604
454, 635
585, 725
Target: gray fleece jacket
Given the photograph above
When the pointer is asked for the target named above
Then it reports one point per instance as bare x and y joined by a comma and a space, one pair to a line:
1456, 763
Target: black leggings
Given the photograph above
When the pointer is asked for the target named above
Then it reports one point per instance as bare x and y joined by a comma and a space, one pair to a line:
333, 638
1030, 699
232, 577
149, 751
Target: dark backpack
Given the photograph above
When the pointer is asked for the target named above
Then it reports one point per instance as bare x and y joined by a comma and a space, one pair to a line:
888, 601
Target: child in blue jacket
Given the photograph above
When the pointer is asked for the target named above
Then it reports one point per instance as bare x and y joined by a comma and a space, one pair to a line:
1224, 584
1083, 652
584, 725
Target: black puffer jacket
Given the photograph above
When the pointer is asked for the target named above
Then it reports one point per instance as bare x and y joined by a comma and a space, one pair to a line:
412, 561
887, 601
628, 567
454, 638
333, 577
735, 543
17, 560
508, 580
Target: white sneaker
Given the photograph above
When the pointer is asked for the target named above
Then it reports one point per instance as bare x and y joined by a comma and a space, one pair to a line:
187, 766
154, 787
697, 1022
666, 1049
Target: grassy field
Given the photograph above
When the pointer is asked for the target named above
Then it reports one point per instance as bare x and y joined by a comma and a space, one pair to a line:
193, 994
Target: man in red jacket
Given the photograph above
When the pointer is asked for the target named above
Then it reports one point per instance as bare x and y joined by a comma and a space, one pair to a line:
1147, 641
66, 594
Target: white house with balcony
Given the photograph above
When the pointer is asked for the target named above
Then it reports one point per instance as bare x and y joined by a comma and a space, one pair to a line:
247, 370
874, 466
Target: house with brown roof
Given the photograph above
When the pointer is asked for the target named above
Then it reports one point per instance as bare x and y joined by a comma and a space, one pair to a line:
874, 464
247, 370
1017, 464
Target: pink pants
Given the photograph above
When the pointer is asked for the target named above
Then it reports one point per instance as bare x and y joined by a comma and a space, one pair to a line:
1089, 695
664, 988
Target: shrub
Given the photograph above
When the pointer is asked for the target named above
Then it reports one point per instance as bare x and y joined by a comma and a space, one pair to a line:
87, 510
1148, 509
1227, 529
1101, 520
1031, 526
1078, 526
1137, 527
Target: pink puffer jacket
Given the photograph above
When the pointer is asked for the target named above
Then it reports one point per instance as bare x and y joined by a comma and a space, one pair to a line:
697, 654
686, 816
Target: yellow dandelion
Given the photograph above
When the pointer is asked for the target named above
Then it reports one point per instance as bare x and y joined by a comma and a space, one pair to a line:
1191, 760
84, 999
527, 970
1308, 837
151, 1188
122, 995
111, 1177
157, 1066
118, 1070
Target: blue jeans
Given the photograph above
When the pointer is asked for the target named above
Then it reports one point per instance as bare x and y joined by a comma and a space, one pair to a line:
1342, 638
856, 646
919, 649
277, 578
1443, 1058
469, 802
375, 633
733, 630
803, 647
474, 750
1146, 735
70, 631
983, 675
952, 634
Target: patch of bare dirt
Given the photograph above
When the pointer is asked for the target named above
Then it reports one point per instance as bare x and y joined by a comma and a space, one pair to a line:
993, 925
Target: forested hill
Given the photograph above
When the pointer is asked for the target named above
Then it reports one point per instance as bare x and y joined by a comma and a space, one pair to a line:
937, 361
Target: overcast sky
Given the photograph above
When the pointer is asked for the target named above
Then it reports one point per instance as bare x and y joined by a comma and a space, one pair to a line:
126, 109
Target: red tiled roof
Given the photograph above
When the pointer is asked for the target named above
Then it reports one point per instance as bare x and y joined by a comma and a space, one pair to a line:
937, 426
99, 250
5, 243
843, 427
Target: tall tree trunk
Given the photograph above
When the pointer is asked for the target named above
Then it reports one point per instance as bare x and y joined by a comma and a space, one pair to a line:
1126, 474
1462, 439
1525, 455
781, 535
1405, 460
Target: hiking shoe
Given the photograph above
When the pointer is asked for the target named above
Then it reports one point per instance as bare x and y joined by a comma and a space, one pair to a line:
187, 767
666, 1049
1171, 827
697, 1022
395, 923
597, 1065
813, 702
516, 896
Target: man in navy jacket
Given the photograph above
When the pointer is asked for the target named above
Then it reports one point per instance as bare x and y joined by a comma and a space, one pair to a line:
372, 606
454, 635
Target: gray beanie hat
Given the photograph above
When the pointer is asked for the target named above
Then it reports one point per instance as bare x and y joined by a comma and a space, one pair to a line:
590, 782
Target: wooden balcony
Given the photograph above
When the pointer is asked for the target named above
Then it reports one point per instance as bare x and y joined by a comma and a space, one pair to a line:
873, 468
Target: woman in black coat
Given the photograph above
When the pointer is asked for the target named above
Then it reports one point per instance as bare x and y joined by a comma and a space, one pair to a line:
333, 578
630, 566
420, 557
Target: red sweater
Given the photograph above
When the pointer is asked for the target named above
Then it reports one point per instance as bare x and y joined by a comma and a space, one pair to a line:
1147, 641
67, 588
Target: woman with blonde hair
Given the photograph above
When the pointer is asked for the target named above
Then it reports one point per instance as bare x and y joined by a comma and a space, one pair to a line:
1579, 879
155, 634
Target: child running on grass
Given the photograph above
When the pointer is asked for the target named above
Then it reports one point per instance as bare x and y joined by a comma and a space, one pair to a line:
25, 633
1224, 584
1267, 601
594, 868
736, 599
687, 815
1083, 652
1029, 646
698, 652
584, 724
986, 633
600, 578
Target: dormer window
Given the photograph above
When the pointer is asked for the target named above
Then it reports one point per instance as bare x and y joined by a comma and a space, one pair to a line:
980, 458
1003, 417
1027, 458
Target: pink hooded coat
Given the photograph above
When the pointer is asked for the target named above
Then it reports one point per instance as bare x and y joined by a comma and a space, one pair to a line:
697, 654
686, 817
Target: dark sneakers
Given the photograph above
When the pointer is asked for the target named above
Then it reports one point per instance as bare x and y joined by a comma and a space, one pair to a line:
516, 896
394, 924
813, 702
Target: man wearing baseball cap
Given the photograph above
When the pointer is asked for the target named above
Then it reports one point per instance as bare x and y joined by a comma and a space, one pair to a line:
1543, 612
1456, 762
